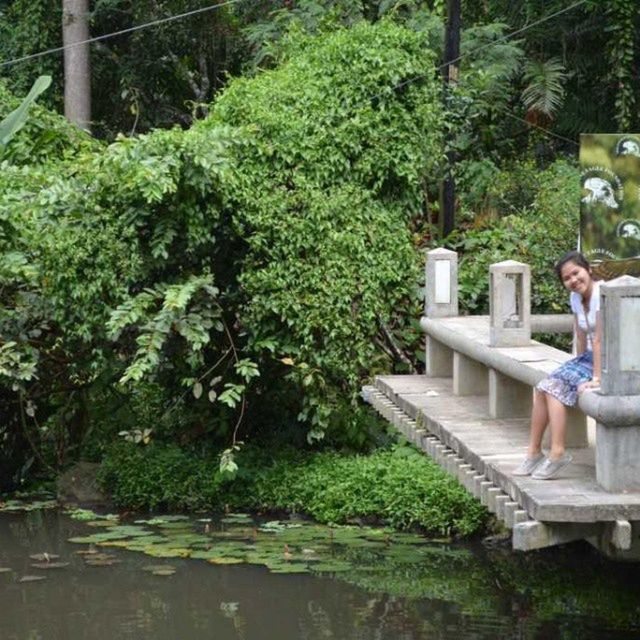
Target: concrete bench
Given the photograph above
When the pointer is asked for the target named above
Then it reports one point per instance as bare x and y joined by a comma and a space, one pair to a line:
459, 347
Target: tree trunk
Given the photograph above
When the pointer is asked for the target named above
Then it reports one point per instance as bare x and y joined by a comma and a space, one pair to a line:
451, 70
77, 67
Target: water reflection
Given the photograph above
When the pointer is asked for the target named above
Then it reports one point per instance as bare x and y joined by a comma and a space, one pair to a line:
455, 592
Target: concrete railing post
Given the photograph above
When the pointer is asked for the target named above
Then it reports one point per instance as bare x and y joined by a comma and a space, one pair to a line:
510, 304
441, 281
510, 326
441, 301
618, 442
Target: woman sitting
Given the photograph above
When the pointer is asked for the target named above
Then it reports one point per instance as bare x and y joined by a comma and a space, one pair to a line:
560, 389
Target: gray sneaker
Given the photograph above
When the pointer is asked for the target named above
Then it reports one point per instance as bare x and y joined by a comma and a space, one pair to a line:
550, 469
528, 465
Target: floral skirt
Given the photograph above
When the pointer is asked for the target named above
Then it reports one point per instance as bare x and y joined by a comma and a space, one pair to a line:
563, 383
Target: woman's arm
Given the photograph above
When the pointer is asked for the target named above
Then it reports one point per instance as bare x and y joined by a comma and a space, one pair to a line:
597, 360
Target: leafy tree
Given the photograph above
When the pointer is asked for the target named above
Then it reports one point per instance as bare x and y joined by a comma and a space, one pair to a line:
250, 262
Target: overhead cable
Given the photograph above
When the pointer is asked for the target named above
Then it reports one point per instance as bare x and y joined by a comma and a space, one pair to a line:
106, 36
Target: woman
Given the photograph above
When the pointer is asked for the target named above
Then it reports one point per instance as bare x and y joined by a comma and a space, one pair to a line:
560, 389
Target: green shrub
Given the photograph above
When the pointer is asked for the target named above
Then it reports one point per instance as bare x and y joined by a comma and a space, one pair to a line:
399, 486
262, 257
46, 136
328, 179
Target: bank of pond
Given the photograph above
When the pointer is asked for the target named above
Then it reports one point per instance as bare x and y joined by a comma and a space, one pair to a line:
397, 486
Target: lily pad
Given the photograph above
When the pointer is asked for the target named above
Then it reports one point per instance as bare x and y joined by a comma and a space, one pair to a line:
20, 505
130, 530
275, 526
176, 526
289, 568
225, 560
152, 521
96, 538
167, 552
44, 557
101, 562
158, 567
185, 540
237, 518
86, 515
32, 578
283, 546
49, 565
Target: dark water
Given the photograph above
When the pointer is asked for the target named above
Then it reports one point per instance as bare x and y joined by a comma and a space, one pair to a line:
456, 592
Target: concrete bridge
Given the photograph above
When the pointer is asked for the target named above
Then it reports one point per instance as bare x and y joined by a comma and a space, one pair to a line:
470, 411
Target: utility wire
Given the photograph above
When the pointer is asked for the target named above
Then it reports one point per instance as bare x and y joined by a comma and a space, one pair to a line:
105, 36
504, 38
508, 36
537, 126
202, 10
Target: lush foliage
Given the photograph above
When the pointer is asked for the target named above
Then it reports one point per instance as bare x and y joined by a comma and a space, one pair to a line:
329, 179
400, 486
147, 78
245, 268
233, 279
539, 223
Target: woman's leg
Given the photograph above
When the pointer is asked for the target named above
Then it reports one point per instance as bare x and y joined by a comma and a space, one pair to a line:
539, 420
558, 425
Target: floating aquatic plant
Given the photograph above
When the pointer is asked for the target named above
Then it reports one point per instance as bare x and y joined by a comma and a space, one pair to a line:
282, 546
32, 578
49, 565
44, 557
17, 506
87, 515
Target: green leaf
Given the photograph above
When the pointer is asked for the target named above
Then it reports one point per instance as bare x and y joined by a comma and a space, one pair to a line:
17, 118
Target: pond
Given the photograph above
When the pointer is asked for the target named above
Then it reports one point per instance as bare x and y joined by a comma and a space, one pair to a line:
245, 579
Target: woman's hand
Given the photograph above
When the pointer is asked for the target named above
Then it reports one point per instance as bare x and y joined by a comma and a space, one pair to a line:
590, 384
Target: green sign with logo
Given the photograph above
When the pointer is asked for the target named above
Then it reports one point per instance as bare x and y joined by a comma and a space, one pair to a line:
610, 202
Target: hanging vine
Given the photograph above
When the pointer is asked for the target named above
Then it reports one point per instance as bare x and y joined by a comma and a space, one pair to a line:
621, 54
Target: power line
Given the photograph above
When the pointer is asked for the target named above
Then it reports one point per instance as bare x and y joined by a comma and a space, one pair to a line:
504, 38
490, 44
508, 36
537, 126
202, 10
105, 36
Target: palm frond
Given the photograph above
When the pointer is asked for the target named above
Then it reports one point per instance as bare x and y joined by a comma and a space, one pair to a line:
544, 92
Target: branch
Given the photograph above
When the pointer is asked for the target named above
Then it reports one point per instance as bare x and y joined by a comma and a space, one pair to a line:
27, 436
205, 82
396, 350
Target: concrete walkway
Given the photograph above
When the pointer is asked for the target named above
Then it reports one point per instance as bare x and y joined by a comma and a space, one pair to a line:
482, 451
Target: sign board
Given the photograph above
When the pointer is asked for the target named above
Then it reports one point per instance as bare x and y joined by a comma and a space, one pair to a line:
610, 202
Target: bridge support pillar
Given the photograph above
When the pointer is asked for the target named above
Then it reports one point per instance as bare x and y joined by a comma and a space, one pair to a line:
508, 398
469, 376
439, 359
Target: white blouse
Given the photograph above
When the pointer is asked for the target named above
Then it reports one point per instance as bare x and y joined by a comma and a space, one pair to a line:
587, 322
